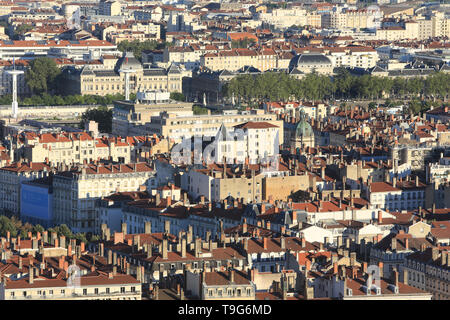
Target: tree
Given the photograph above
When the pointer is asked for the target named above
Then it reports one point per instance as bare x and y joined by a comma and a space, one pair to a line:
21, 30
137, 47
177, 96
372, 105
242, 43
41, 75
102, 115
7, 225
199, 110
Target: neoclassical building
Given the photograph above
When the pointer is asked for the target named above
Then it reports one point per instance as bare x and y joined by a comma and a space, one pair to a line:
309, 63
89, 81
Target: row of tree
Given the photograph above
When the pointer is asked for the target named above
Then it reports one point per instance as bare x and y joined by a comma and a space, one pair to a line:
272, 86
46, 99
137, 47
17, 228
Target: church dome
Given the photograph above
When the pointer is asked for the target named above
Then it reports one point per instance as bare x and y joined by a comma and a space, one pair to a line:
303, 129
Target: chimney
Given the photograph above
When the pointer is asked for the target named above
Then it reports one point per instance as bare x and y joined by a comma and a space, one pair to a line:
263, 208
197, 247
380, 217
169, 201
124, 229
31, 275
148, 227
164, 249
167, 226
353, 258
232, 276
364, 267
394, 182
406, 243
395, 277
380, 267
393, 244
101, 250
335, 268
61, 262
20, 263
294, 217
434, 253
303, 242
62, 241
283, 243
183, 248
443, 258
265, 243
417, 181
244, 226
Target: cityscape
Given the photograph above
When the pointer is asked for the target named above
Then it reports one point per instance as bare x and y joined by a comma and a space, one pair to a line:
236, 150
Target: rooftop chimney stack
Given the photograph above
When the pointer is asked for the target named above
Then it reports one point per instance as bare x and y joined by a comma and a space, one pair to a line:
148, 227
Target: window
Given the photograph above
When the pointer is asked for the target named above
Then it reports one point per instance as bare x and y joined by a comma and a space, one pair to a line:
84, 292
133, 289
107, 290
96, 290
122, 289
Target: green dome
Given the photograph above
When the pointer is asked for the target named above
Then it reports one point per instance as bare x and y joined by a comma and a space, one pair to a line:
303, 129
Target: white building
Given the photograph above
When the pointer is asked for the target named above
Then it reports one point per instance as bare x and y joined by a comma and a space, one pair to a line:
252, 140
76, 191
397, 196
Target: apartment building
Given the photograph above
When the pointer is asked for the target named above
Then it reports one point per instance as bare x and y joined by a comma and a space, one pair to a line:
252, 140
95, 286
397, 195
11, 177
284, 18
71, 148
186, 56
362, 18
356, 283
406, 30
334, 20
217, 182
110, 8
224, 285
416, 156
130, 117
236, 59
179, 127
78, 50
429, 270
393, 249
76, 191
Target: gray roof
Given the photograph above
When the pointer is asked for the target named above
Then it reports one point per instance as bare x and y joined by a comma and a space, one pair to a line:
128, 62
154, 72
308, 59
105, 73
